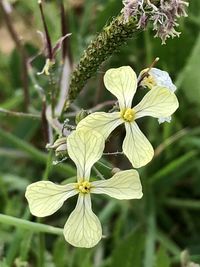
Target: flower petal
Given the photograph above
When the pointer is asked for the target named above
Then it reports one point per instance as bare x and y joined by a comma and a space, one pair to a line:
85, 148
45, 197
157, 77
158, 102
123, 185
167, 119
121, 82
83, 228
102, 122
136, 146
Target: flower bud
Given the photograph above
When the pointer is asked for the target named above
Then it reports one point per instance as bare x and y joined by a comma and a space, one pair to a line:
81, 115
61, 151
115, 170
60, 141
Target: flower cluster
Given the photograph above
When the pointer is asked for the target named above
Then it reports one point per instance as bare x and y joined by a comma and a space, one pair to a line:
164, 15
85, 147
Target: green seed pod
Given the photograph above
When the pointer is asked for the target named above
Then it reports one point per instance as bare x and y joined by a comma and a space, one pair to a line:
115, 170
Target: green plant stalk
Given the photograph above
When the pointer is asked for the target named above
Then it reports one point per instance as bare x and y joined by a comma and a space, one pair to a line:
151, 230
106, 43
171, 167
168, 243
30, 226
34, 153
183, 203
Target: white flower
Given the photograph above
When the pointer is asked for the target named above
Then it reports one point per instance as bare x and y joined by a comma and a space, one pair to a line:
159, 102
157, 77
83, 228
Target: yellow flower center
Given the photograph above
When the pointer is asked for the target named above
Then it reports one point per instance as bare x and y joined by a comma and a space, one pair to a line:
128, 114
83, 187
149, 81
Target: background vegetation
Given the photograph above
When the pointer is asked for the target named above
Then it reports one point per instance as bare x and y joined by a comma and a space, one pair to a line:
152, 232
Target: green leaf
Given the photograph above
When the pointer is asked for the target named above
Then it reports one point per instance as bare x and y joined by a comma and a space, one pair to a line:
162, 259
190, 78
129, 251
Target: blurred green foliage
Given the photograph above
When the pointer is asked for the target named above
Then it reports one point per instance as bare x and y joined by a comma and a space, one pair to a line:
150, 232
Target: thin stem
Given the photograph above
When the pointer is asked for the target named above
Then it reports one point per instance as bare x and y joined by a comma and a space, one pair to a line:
44, 120
48, 39
19, 114
172, 167
183, 203
30, 226
35, 154
98, 173
65, 29
104, 165
48, 166
52, 85
113, 153
172, 139
102, 105
151, 231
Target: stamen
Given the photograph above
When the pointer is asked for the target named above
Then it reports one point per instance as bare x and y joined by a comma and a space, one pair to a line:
83, 187
128, 114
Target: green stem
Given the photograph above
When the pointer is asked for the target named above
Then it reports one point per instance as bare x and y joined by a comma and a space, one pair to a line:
34, 153
171, 167
31, 226
6, 112
151, 231
48, 166
183, 203
168, 243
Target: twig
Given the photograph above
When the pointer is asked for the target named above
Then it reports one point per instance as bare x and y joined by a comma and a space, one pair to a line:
19, 45
113, 153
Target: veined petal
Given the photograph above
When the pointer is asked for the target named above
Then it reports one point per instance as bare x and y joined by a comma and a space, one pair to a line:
45, 197
136, 146
85, 148
123, 185
83, 228
157, 77
158, 102
102, 122
121, 82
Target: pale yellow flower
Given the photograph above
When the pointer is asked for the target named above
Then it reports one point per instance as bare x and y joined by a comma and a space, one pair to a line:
83, 228
157, 77
159, 102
